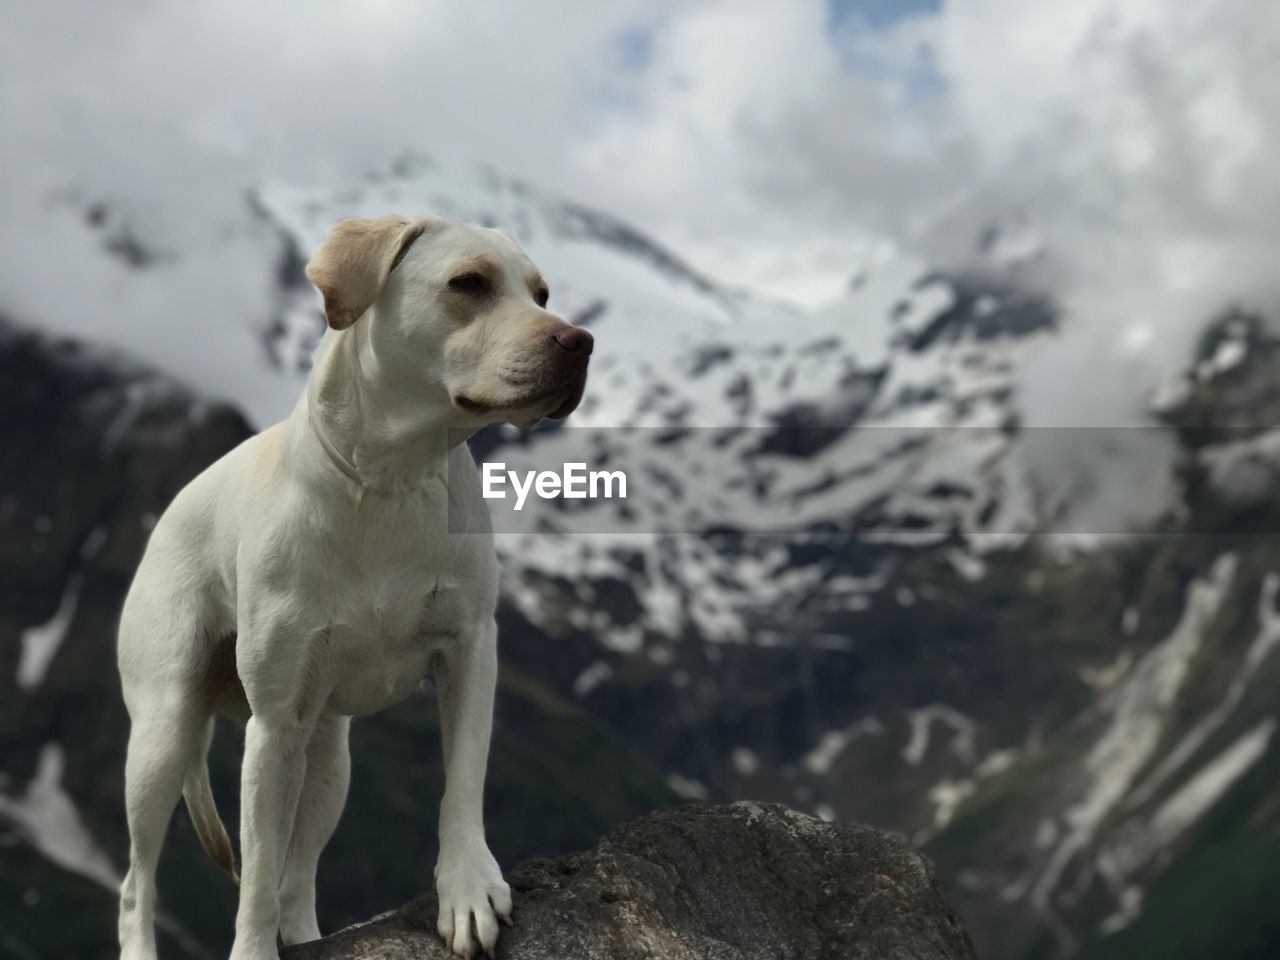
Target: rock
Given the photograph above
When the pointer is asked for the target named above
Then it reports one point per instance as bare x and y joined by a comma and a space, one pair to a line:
734, 882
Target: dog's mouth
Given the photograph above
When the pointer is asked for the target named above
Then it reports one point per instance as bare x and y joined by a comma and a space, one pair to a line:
560, 400
571, 399
471, 405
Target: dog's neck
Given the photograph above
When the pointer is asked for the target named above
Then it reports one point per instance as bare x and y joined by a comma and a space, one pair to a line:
382, 439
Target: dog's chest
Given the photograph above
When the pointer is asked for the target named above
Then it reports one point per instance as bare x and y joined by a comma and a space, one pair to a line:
397, 610
381, 647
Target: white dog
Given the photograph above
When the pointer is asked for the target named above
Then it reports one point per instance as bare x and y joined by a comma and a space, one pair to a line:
322, 569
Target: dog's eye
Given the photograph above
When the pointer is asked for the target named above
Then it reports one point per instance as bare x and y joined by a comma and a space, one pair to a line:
541, 297
469, 283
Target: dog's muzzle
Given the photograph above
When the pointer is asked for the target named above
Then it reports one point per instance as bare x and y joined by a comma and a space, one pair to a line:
571, 351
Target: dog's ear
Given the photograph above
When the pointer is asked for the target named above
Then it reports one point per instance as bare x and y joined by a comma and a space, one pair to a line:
353, 263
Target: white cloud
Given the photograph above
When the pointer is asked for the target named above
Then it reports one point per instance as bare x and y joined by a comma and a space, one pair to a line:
1135, 136
166, 113
753, 145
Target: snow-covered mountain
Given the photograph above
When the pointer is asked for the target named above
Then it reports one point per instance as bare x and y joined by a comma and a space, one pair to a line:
927, 360
809, 453
891, 413
824, 586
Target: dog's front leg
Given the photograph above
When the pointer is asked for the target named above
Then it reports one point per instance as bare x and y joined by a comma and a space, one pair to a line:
282, 672
271, 780
468, 880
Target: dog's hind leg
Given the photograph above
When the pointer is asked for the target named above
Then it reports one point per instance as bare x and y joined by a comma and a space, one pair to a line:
165, 737
324, 793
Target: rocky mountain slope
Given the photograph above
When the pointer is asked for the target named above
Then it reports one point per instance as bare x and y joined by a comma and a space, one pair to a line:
1147, 822
747, 881
837, 581
874, 621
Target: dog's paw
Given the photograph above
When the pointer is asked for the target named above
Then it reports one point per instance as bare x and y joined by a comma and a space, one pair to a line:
473, 898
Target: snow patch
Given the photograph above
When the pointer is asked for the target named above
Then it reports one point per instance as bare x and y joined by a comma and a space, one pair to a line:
47, 818
1103, 679
41, 643
1129, 909
1130, 620
1177, 815
592, 677
1244, 471
820, 759
1266, 641
1137, 711
946, 798
1207, 787
922, 721
688, 788
745, 761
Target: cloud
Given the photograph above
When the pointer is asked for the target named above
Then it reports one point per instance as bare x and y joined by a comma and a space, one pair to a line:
753, 143
1132, 138
157, 117
781, 145
1135, 137
131, 97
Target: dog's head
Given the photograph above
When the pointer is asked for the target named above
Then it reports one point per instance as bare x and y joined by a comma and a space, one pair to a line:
459, 314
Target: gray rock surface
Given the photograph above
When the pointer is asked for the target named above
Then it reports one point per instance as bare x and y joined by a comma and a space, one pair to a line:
735, 882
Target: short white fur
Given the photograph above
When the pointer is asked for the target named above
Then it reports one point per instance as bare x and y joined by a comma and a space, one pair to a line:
311, 575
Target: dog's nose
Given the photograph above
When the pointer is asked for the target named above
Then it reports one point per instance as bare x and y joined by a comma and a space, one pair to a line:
575, 340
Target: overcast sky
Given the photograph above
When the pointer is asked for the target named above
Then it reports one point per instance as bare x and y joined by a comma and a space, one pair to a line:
782, 145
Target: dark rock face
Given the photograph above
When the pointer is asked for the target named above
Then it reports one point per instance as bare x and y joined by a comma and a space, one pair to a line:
724, 883
94, 447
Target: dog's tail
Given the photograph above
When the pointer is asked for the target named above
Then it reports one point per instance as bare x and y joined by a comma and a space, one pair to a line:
204, 813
